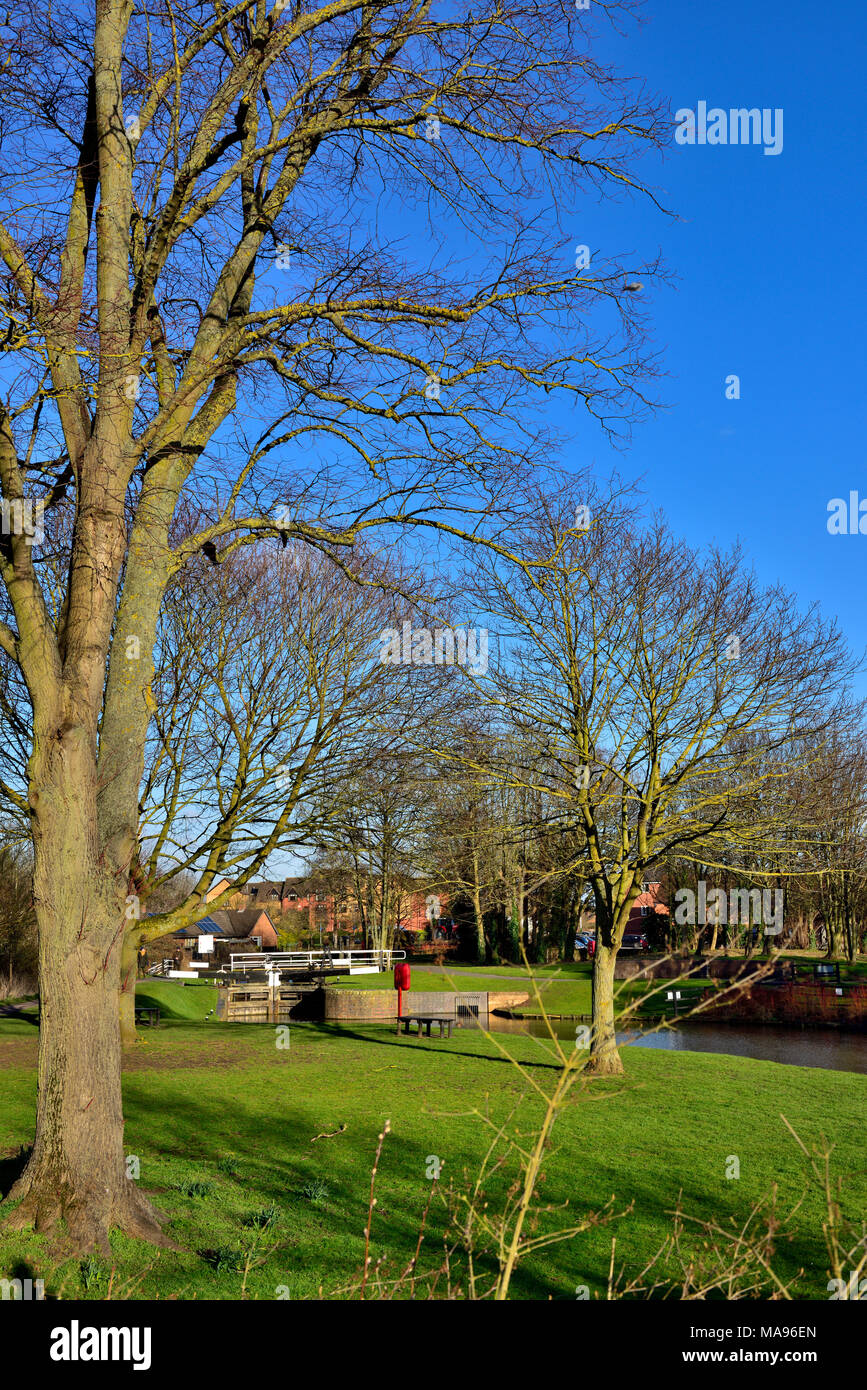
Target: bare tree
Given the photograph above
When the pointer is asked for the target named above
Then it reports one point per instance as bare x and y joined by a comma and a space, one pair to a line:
373, 826
196, 315
460, 854
645, 686
17, 917
830, 803
267, 692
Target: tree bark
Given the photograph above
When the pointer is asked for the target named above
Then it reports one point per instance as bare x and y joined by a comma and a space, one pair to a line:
604, 1057
76, 1171
570, 924
481, 945
834, 932
126, 992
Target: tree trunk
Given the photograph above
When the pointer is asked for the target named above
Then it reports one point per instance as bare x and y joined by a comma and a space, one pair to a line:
126, 994
604, 1057
834, 932
521, 909
76, 1171
481, 948
481, 944
570, 926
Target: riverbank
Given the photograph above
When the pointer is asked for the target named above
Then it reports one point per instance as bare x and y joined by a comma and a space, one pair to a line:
564, 992
829, 1049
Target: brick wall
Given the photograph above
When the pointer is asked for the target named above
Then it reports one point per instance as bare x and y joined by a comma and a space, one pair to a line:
382, 1003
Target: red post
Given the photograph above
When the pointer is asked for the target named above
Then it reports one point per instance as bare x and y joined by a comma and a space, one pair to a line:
401, 982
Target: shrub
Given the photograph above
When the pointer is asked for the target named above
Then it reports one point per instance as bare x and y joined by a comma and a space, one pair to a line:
194, 1187
315, 1191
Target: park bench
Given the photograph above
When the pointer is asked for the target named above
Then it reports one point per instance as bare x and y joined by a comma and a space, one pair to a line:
423, 1024
147, 1014
827, 972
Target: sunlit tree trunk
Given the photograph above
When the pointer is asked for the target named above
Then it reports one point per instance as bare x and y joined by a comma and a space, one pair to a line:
76, 1169
126, 991
481, 945
610, 925
604, 1056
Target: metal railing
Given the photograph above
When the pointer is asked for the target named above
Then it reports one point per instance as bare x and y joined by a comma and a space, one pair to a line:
355, 962
162, 967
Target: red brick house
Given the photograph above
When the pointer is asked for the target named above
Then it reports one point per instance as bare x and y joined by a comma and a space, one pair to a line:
338, 916
647, 905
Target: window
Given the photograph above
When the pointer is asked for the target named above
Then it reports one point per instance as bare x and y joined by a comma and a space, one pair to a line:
293, 897
645, 887
645, 911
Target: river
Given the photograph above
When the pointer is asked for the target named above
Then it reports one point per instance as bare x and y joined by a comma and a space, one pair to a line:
800, 1047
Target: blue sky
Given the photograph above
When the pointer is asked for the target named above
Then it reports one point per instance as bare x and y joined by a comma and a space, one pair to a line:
770, 286
766, 255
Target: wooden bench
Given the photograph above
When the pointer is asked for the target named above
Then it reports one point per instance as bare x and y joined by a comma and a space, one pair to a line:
423, 1024
149, 1015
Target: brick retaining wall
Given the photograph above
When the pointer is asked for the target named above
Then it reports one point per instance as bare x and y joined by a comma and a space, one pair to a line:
382, 1003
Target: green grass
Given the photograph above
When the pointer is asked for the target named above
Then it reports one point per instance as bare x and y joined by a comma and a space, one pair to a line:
225, 1125
176, 1002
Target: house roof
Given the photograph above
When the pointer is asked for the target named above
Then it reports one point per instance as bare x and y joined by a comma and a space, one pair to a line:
238, 924
262, 892
270, 888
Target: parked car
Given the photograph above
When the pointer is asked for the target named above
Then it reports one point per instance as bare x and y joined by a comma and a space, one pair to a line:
634, 939
585, 944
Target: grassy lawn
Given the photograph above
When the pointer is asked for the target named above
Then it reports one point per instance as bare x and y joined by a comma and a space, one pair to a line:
224, 1123
188, 1003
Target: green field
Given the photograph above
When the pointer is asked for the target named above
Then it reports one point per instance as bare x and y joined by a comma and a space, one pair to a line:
224, 1123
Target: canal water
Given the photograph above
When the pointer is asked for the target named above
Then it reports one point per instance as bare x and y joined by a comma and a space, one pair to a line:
799, 1047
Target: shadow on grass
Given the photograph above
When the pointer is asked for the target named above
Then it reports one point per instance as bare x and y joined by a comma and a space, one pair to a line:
413, 1043
24, 1271
21, 1015
11, 1169
275, 1160
266, 1124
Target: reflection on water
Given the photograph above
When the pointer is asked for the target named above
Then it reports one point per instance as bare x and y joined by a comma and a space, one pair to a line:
800, 1047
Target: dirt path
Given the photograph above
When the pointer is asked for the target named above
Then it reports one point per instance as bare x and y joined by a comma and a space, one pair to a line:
210, 1052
